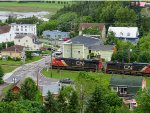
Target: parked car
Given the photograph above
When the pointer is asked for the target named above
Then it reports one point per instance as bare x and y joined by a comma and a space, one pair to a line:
66, 81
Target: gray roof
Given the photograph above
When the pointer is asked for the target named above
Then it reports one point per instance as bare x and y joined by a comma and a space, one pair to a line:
37, 42
126, 81
53, 88
19, 36
91, 42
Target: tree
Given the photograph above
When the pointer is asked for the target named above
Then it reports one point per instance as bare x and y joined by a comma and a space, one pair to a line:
125, 17
28, 89
111, 39
1, 76
62, 101
91, 31
50, 105
73, 103
10, 96
143, 101
97, 103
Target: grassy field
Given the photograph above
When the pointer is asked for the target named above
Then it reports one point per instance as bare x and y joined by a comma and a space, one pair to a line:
105, 78
30, 6
9, 66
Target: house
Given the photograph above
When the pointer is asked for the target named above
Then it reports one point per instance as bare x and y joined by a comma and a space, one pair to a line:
6, 34
82, 46
100, 26
29, 41
125, 33
127, 86
54, 88
15, 51
23, 28
55, 34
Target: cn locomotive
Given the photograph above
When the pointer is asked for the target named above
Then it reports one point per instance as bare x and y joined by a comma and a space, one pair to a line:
128, 68
76, 64
141, 69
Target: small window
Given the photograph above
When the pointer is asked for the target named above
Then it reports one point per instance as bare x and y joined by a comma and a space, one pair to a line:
25, 29
18, 40
121, 34
128, 34
26, 40
25, 26
79, 52
115, 89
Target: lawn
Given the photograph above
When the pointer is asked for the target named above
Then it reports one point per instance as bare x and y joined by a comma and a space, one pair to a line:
9, 66
30, 6
5, 90
104, 78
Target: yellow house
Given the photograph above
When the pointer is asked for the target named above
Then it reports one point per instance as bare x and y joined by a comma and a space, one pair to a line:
81, 47
15, 51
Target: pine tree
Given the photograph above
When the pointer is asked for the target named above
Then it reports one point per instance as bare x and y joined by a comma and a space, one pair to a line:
73, 103
50, 104
62, 104
97, 103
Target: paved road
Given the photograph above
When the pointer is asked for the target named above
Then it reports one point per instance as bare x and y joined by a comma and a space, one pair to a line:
32, 70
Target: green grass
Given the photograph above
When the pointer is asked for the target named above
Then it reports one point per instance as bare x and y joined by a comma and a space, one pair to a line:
104, 78
8, 69
35, 58
10, 62
5, 90
30, 6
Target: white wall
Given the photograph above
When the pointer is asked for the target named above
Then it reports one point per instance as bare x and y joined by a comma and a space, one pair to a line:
27, 42
7, 37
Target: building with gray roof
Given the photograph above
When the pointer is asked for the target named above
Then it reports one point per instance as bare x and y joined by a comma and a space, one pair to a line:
82, 46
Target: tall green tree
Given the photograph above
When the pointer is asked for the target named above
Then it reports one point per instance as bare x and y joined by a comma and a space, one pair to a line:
97, 103
73, 106
50, 104
1, 75
28, 89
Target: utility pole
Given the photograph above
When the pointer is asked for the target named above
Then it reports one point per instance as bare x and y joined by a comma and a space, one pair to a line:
129, 55
37, 76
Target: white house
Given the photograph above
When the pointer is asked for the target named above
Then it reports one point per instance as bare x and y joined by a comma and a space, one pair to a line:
6, 34
30, 41
125, 33
24, 28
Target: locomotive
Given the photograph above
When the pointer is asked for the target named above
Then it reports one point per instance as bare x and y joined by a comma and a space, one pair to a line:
128, 68
76, 64
141, 69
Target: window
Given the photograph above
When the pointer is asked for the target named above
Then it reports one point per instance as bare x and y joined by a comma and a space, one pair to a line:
115, 89
25, 26
121, 34
26, 40
123, 90
25, 29
78, 52
128, 34
18, 40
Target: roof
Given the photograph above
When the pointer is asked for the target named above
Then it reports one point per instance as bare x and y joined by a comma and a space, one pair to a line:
87, 41
54, 32
15, 48
91, 42
83, 26
125, 32
19, 36
53, 88
4, 29
126, 81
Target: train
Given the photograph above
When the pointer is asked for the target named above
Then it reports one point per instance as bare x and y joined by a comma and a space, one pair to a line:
76, 64
141, 69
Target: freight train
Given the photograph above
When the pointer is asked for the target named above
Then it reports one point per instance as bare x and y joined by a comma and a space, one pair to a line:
94, 65
128, 68
76, 64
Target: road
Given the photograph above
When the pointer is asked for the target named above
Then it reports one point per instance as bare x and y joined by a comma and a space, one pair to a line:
32, 70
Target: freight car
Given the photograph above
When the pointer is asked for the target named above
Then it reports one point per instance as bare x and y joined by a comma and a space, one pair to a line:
128, 68
76, 64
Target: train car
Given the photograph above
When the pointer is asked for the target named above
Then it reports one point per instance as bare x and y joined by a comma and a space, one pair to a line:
76, 64
128, 68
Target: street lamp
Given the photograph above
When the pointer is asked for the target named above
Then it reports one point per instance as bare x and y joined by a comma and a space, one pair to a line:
129, 55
